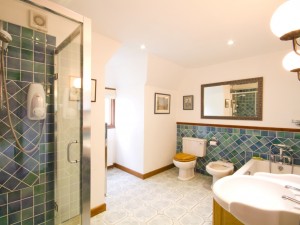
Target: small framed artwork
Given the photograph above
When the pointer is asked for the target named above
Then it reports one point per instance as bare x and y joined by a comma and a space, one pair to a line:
93, 90
188, 102
162, 103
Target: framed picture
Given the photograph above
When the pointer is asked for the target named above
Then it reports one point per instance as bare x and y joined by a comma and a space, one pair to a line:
75, 88
188, 102
162, 103
93, 90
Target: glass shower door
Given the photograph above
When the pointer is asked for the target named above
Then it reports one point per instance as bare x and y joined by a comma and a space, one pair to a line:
68, 101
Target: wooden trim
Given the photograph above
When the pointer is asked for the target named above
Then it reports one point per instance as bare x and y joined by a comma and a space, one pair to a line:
223, 217
110, 167
146, 175
154, 172
127, 170
241, 127
97, 210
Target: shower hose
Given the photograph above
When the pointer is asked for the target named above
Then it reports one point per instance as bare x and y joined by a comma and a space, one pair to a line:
4, 75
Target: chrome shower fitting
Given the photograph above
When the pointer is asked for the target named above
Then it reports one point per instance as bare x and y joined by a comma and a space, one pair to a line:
6, 38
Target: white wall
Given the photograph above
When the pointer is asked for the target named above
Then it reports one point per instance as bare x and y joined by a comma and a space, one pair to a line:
280, 91
160, 129
102, 50
126, 72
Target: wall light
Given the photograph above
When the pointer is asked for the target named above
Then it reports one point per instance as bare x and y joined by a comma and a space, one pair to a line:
291, 62
285, 24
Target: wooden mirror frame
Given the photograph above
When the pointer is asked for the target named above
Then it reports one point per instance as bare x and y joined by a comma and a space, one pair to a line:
259, 103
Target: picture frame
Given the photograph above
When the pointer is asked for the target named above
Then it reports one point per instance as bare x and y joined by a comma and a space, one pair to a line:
188, 102
162, 103
93, 90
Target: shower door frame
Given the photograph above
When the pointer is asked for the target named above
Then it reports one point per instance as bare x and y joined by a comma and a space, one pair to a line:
86, 100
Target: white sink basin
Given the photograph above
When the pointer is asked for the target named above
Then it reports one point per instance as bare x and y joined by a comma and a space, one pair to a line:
257, 200
289, 178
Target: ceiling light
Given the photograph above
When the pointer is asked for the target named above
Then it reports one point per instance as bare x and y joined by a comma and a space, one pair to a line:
291, 62
230, 42
143, 47
285, 22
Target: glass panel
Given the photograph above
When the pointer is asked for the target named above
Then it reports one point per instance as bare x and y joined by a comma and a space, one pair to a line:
67, 116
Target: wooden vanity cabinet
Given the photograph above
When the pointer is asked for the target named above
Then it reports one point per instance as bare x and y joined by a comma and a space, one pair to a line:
223, 217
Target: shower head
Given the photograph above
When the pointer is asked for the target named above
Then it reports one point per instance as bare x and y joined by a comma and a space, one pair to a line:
5, 37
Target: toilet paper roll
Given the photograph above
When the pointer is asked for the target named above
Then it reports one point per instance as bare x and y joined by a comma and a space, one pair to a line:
213, 143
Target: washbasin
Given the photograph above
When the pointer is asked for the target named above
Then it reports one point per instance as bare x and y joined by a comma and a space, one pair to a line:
257, 200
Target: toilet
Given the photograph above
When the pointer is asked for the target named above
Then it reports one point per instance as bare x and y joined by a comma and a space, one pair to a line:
219, 169
186, 160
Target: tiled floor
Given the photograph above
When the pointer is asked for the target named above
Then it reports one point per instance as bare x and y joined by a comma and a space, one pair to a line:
158, 200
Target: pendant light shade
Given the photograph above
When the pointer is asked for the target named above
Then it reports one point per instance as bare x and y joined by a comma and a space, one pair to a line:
285, 22
291, 62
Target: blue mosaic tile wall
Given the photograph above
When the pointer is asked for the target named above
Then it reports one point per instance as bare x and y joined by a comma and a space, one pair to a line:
238, 145
27, 180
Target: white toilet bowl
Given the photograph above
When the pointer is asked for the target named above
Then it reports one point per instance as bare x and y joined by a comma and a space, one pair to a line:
185, 161
219, 169
186, 169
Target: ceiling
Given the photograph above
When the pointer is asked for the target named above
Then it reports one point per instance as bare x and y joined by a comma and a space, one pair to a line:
191, 33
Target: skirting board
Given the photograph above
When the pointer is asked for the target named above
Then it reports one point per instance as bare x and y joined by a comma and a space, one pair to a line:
97, 210
146, 175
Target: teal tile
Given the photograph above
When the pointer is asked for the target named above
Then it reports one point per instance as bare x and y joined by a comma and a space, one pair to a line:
14, 29
50, 69
3, 220
50, 215
49, 196
39, 36
13, 74
30, 179
27, 65
14, 217
39, 199
297, 135
14, 196
39, 78
39, 189
27, 192
27, 44
280, 134
256, 132
16, 41
14, 52
50, 222
288, 134
39, 67
28, 222
27, 33
26, 54
27, 213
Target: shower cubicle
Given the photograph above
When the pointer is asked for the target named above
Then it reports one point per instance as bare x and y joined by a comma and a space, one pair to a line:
44, 114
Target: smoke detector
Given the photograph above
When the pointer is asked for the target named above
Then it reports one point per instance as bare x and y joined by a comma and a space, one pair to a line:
38, 21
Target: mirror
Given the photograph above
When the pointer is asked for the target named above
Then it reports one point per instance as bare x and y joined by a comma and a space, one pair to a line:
233, 100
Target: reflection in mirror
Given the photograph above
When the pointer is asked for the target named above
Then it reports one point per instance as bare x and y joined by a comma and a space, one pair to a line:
239, 99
